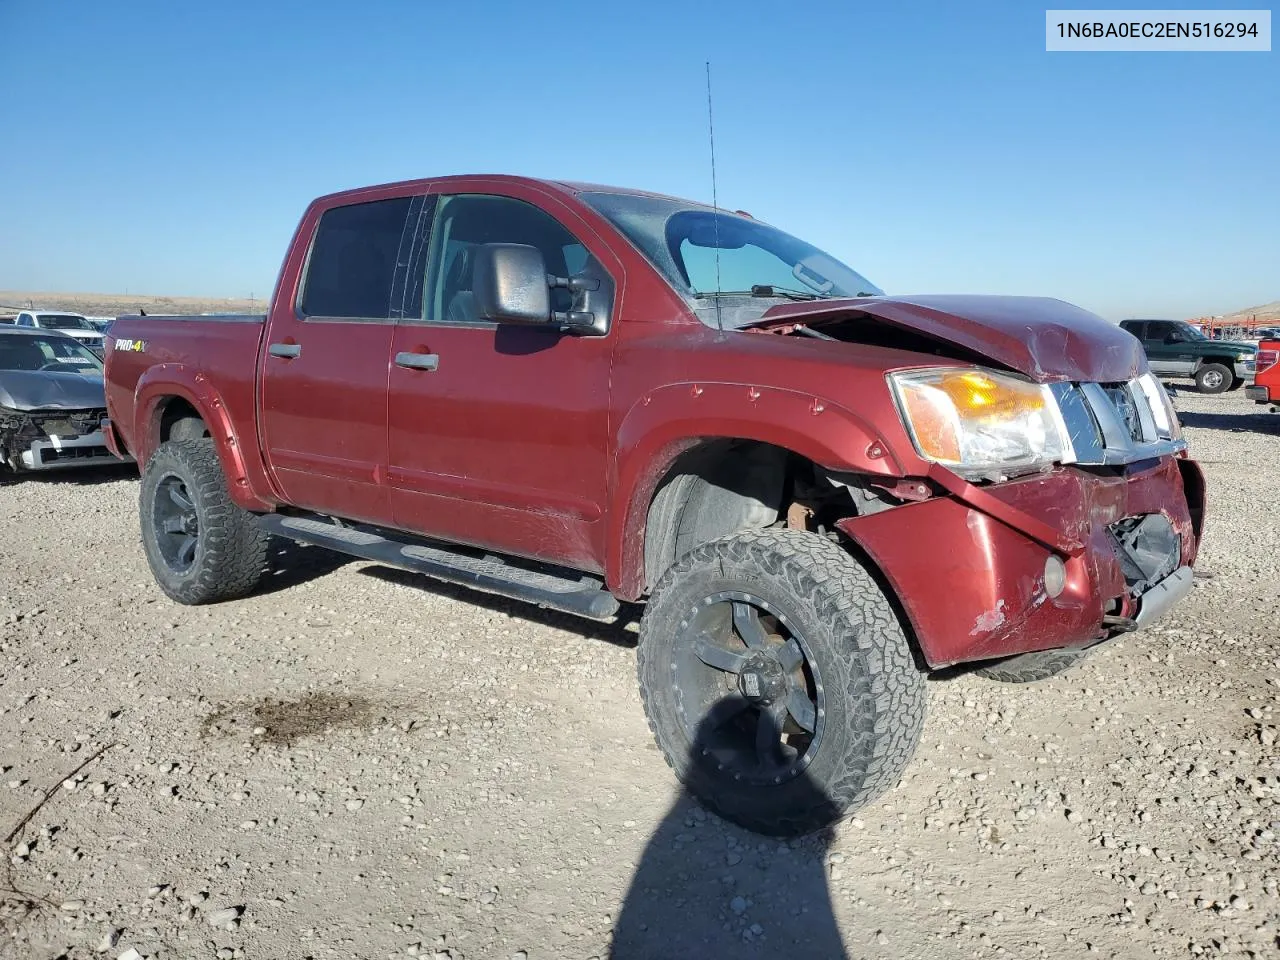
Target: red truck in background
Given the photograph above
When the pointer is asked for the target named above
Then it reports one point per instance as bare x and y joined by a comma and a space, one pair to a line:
577, 395
1266, 376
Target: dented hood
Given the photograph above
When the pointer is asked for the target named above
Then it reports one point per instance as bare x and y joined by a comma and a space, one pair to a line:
1043, 338
50, 390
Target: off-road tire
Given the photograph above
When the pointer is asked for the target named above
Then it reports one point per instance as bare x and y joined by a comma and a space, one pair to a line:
875, 696
230, 555
1218, 378
1030, 667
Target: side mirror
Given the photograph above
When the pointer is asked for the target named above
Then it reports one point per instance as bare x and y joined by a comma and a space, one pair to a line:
510, 284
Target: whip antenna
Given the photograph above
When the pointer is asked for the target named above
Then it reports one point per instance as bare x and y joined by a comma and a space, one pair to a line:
715, 202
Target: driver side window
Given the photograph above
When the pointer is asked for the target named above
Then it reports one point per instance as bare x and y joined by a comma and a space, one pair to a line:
1159, 331
465, 221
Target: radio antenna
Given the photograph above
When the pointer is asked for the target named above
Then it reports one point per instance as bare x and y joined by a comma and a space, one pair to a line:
715, 201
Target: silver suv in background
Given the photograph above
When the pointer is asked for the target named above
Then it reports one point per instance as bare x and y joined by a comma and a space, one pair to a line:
72, 324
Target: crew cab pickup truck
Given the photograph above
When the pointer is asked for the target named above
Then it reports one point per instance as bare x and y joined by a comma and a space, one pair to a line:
577, 395
1266, 383
1176, 348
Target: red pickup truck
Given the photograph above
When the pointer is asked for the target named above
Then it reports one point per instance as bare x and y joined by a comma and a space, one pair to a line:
578, 395
1266, 375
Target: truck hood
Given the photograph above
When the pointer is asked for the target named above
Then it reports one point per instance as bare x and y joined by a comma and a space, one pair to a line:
1045, 339
1231, 346
49, 390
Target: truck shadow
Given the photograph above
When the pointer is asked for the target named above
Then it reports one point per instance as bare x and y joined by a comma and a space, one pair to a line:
705, 888
620, 632
291, 564
1267, 423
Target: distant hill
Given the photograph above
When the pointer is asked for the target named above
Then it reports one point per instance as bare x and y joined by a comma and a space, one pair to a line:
116, 304
1265, 311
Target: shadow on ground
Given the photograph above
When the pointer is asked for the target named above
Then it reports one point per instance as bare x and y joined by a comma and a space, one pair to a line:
290, 564
1267, 423
707, 889
620, 632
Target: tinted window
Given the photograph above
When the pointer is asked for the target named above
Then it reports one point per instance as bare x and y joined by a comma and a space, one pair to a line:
1157, 330
353, 259
466, 221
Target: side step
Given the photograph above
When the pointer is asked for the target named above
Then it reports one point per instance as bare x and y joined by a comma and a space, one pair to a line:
584, 596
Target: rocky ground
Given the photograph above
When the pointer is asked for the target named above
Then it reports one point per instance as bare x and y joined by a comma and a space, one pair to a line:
359, 763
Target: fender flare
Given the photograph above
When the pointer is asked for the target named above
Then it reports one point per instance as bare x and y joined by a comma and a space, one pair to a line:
166, 380
673, 419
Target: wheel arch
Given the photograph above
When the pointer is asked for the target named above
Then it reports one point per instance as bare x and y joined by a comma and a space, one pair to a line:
168, 394
679, 424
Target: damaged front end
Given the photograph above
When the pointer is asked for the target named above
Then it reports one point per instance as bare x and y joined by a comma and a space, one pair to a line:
49, 439
1061, 558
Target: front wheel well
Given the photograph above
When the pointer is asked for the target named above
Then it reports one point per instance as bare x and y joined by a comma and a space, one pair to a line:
725, 486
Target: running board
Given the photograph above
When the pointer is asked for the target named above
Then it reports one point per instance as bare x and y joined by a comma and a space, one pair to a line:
584, 596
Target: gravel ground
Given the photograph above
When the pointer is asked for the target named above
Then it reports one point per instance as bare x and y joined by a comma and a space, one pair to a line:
358, 762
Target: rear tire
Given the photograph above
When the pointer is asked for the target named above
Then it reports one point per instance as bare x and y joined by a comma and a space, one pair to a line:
1214, 378
849, 657
1030, 667
201, 547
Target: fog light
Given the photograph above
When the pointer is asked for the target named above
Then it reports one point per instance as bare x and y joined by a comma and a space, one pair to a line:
1055, 577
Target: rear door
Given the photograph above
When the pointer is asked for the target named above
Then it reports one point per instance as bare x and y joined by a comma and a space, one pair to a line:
325, 360
499, 434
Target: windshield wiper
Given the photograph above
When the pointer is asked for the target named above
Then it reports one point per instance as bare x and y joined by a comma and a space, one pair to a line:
764, 291
770, 290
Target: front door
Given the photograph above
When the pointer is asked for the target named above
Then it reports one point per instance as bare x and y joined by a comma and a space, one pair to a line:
498, 435
325, 360
1168, 350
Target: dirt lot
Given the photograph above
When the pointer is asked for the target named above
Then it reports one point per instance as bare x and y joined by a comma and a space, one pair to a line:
359, 763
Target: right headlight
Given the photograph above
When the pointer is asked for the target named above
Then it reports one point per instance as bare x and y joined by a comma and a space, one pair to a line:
983, 424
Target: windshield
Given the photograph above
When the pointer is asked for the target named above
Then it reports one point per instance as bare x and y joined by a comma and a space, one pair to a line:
756, 261
64, 321
52, 354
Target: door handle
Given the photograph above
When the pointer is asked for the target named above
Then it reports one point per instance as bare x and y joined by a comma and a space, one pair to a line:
418, 361
286, 350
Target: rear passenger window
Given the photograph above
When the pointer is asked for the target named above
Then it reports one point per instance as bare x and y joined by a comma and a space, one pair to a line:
352, 265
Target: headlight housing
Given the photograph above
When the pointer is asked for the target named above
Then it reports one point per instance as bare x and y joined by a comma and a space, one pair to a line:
1166, 418
983, 424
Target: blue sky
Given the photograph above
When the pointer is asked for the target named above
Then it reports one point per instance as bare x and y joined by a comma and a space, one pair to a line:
170, 148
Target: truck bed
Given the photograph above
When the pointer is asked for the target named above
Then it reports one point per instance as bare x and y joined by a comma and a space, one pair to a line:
137, 345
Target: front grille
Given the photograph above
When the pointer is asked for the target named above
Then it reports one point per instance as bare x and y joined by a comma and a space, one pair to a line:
1118, 423
1126, 408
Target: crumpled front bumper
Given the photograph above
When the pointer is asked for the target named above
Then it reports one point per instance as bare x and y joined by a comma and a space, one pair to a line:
969, 566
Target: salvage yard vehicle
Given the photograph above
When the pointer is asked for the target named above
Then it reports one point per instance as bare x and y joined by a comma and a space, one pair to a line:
1176, 348
1266, 383
577, 395
71, 324
52, 403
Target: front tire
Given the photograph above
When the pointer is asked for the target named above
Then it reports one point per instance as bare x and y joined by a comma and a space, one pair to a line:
778, 681
201, 547
1214, 378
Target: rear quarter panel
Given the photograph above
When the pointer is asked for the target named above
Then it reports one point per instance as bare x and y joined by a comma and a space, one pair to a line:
208, 362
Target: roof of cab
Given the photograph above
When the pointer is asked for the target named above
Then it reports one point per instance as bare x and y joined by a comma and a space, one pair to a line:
561, 186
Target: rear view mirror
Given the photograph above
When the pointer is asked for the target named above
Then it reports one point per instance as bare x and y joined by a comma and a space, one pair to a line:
510, 284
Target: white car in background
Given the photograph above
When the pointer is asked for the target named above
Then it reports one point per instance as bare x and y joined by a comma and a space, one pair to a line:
72, 324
